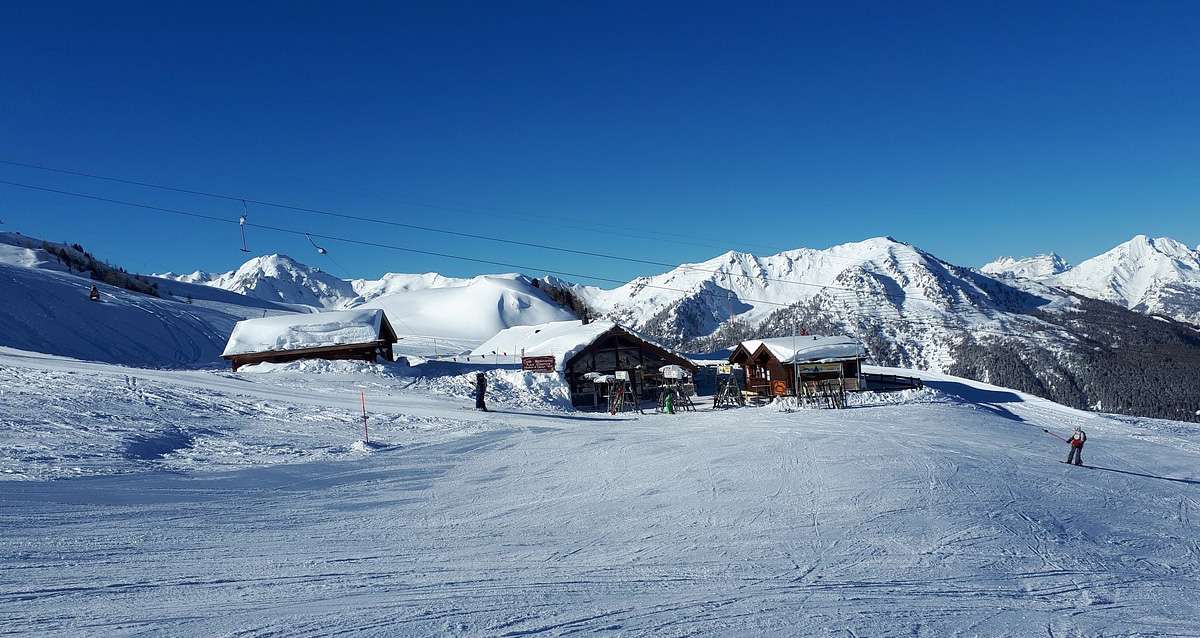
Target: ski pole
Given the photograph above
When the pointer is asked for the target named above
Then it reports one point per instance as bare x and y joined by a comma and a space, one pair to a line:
1055, 435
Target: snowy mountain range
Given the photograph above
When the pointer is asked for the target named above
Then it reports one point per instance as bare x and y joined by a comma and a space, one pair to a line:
1150, 275
1030, 324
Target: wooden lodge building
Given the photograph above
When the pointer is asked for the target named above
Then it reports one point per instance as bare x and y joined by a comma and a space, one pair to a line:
363, 334
782, 365
579, 348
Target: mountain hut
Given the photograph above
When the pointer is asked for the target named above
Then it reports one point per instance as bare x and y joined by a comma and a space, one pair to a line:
362, 334
578, 348
781, 365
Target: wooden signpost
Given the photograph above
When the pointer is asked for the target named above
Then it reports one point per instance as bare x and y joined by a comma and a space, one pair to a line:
537, 364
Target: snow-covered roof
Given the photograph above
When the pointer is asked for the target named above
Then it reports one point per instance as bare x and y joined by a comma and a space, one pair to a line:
751, 345
302, 331
559, 339
809, 348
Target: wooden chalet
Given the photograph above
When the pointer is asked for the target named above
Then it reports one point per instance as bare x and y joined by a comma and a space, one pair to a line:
781, 366
363, 334
579, 348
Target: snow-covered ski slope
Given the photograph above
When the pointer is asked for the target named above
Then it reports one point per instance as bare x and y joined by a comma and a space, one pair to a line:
210, 503
45, 308
49, 311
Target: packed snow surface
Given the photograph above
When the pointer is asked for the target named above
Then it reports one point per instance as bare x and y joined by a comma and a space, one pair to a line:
300, 331
212, 503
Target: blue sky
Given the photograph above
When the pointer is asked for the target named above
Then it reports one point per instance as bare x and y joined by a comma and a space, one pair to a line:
971, 132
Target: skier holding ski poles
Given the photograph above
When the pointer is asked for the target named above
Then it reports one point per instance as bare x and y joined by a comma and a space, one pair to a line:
1078, 438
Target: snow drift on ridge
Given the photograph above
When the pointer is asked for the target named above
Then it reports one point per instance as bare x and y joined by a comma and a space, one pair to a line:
474, 312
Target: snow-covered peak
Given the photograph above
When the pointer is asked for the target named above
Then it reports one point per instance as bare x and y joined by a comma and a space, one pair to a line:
195, 277
1152, 274
280, 278
1036, 267
875, 277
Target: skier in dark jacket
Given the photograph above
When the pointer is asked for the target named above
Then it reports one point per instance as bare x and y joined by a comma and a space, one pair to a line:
1078, 438
480, 390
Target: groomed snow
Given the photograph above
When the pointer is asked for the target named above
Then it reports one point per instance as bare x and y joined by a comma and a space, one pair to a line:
300, 331
212, 503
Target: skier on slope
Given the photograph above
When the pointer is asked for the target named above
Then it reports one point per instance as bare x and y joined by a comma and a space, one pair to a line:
94, 293
480, 390
1078, 438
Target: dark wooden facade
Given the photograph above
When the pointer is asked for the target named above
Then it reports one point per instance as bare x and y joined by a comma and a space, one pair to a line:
378, 350
619, 350
767, 376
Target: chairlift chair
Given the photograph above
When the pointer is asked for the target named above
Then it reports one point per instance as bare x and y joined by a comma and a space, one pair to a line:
242, 225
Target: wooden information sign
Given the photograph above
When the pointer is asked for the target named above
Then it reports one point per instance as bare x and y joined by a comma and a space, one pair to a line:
537, 364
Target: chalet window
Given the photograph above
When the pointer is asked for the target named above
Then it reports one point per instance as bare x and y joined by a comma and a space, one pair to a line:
606, 360
628, 359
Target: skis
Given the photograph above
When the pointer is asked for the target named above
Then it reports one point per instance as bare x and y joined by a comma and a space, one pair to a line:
1065, 463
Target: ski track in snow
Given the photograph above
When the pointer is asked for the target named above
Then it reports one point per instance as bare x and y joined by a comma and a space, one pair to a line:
231, 505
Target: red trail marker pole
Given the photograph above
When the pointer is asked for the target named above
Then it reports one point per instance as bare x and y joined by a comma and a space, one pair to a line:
363, 398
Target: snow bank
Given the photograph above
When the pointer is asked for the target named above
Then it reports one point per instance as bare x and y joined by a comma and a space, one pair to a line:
300, 331
514, 388
918, 396
322, 366
924, 395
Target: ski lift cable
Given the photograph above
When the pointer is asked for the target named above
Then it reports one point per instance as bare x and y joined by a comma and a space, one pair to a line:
433, 253
464, 208
466, 235
847, 312
898, 318
728, 275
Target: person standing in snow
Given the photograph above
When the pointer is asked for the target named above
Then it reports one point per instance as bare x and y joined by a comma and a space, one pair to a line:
94, 293
480, 390
1078, 438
